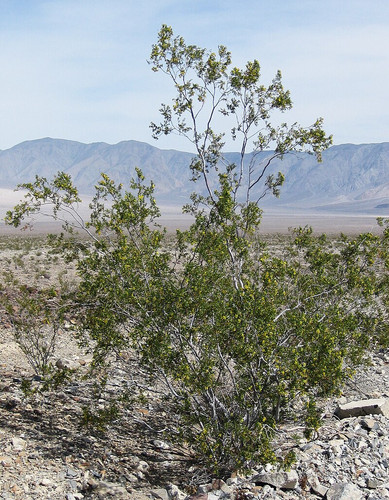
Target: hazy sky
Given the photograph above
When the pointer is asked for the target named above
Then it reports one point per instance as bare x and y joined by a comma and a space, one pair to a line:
77, 69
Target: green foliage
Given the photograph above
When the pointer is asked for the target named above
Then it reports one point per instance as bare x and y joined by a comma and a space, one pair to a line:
207, 85
240, 338
60, 195
99, 419
49, 379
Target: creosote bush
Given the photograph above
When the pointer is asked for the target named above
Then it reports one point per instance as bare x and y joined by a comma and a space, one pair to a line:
36, 317
235, 334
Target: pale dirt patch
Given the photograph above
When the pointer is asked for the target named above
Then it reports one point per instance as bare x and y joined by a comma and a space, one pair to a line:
11, 356
274, 220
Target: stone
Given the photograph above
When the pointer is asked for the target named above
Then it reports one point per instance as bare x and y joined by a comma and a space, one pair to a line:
378, 495
137, 495
160, 494
18, 443
374, 483
45, 481
92, 483
284, 480
267, 490
71, 473
216, 484
143, 466
6, 461
66, 364
344, 491
369, 424
316, 487
220, 485
140, 475
73, 484
204, 488
132, 478
161, 444
363, 407
175, 493
226, 489
336, 446
116, 491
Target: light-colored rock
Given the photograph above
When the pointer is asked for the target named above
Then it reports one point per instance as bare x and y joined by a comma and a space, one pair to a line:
378, 495
336, 446
220, 485
161, 444
140, 475
316, 487
374, 483
226, 489
74, 496
344, 491
143, 466
111, 490
363, 407
66, 364
204, 488
268, 492
160, 494
175, 493
6, 461
369, 424
284, 480
18, 443
45, 481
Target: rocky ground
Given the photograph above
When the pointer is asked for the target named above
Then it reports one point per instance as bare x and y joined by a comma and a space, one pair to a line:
45, 452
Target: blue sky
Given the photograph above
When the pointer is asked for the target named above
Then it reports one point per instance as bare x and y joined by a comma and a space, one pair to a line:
77, 69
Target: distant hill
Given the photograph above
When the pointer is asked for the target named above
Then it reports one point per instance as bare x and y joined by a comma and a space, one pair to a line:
351, 178
85, 163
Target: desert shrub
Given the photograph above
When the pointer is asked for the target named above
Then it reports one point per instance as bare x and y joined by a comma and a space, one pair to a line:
233, 333
36, 316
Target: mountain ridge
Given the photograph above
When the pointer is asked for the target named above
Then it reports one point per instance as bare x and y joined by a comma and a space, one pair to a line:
355, 176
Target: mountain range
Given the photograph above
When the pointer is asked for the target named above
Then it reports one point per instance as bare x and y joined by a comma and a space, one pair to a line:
351, 178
